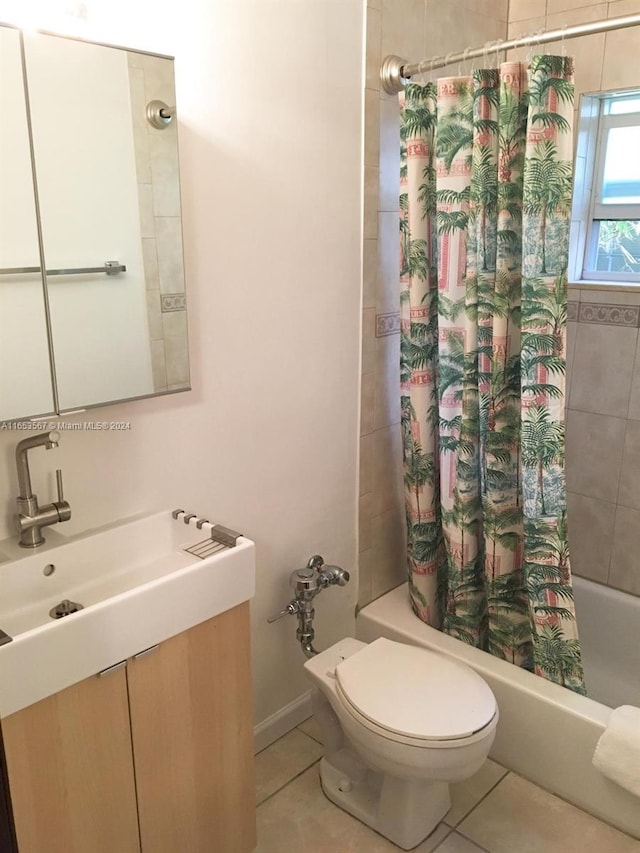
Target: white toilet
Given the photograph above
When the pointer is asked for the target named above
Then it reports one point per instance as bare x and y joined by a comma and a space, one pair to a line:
399, 723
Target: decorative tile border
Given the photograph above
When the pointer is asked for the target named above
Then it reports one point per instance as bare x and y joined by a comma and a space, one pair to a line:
610, 315
173, 302
387, 324
572, 311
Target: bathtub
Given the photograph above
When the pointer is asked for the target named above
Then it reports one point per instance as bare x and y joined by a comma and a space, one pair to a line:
609, 628
546, 733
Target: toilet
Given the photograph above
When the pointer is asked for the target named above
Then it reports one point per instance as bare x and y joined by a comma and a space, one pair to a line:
400, 723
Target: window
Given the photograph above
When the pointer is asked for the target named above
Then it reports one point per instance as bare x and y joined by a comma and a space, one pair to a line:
605, 229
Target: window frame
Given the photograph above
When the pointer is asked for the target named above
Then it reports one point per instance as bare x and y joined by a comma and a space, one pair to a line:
595, 122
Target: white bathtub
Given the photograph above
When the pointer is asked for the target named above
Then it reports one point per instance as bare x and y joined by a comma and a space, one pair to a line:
609, 628
546, 733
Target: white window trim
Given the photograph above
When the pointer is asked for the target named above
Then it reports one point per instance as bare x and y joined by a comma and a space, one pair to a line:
592, 129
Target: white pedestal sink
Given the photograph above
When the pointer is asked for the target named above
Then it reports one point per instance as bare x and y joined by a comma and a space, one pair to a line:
138, 586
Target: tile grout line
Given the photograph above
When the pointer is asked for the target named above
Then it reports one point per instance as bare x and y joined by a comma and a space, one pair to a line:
481, 800
288, 782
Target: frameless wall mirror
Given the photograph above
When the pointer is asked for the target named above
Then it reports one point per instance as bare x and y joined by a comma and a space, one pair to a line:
92, 296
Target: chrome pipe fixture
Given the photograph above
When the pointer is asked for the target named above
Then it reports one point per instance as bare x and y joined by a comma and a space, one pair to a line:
396, 72
307, 583
159, 115
31, 518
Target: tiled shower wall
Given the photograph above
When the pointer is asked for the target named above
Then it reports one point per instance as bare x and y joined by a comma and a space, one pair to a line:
603, 358
412, 29
603, 421
151, 78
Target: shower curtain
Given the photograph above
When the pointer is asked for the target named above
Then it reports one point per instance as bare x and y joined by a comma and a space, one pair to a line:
486, 167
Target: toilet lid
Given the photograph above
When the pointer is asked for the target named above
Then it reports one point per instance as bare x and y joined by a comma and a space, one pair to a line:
415, 692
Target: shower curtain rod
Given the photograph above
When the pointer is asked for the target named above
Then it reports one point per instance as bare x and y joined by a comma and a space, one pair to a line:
395, 71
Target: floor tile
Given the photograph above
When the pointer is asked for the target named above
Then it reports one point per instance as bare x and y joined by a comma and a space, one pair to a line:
282, 761
312, 728
456, 843
466, 795
517, 815
300, 817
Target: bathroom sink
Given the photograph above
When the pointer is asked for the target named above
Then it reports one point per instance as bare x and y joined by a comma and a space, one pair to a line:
138, 586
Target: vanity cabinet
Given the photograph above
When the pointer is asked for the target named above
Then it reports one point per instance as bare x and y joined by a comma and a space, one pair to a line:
155, 756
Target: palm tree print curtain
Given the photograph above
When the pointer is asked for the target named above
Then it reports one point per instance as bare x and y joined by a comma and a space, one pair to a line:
484, 210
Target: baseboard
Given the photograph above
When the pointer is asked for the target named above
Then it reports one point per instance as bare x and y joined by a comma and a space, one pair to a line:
278, 724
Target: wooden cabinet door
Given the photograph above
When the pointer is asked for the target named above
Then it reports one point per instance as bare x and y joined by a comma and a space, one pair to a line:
70, 770
191, 721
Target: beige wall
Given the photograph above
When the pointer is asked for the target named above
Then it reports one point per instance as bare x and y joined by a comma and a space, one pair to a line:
269, 99
412, 29
603, 352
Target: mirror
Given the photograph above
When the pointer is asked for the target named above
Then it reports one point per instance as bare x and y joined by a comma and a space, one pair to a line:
82, 167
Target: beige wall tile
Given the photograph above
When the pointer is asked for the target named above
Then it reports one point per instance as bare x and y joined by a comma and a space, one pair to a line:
629, 492
516, 810
143, 161
138, 97
389, 155
519, 10
634, 396
367, 398
150, 260
606, 296
602, 369
374, 4
163, 156
620, 8
365, 577
156, 332
624, 572
174, 323
168, 231
369, 273
594, 454
368, 340
388, 488
282, 761
366, 463
177, 359
621, 66
498, 9
371, 127
370, 224
373, 47
387, 382
388, 289
365, 540
158, 366
572, 333
590, 536
389, 551
403, 28
555, 6
145, 205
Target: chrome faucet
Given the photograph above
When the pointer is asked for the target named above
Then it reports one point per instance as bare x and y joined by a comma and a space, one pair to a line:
30, 518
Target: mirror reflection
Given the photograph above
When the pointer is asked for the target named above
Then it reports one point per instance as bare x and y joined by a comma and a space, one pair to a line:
110, 310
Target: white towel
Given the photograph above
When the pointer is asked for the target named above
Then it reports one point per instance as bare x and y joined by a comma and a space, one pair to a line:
617, 753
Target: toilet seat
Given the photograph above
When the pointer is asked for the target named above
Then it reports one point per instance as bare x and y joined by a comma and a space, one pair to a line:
426, 700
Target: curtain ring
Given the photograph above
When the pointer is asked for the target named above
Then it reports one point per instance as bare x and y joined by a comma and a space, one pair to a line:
497, 49
563, 41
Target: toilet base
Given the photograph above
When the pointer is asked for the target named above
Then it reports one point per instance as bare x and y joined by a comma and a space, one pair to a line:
404, 811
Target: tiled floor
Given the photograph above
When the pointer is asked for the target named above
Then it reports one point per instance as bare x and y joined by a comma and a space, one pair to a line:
495, 811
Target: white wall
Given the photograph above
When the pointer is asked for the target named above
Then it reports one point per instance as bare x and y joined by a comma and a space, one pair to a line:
269, 99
